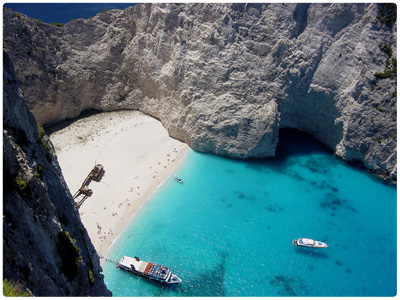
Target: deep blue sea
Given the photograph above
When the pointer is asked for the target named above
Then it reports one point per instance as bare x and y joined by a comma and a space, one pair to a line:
228, 229
63, 12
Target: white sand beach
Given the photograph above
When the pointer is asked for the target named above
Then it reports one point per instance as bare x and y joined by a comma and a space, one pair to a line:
137, 155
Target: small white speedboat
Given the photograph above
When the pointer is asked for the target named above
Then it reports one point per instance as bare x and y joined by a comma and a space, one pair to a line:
304, 242
180, 180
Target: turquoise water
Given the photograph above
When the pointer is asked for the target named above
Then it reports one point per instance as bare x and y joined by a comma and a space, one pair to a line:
228, 229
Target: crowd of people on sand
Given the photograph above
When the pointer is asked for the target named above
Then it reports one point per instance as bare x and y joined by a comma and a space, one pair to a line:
103, 237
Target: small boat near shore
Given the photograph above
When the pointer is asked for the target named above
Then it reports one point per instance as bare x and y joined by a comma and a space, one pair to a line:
180, 180
305, 242
148, 270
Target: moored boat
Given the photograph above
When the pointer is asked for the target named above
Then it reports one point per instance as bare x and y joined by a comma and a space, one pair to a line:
148, 270
180, 180
305, 242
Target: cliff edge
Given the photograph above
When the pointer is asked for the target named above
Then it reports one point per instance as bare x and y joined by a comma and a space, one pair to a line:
45, 245
224, 78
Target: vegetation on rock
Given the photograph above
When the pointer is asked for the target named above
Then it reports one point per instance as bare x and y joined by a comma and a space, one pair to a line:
391, 64
69, 253
57, 24
387, 14
13, 289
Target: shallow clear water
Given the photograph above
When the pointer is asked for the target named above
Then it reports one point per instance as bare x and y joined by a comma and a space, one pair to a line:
228, 229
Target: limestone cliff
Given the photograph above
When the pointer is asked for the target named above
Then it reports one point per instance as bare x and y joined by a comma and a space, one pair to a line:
45, 245
224, 78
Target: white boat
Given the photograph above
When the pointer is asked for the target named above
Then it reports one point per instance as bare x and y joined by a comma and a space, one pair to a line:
304, 242
180, 180
148, 270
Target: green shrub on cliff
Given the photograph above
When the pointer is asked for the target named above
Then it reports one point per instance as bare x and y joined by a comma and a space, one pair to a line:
12, 289
42, 135
40, 130
391, 64
21, 186
39, 172
387, 14
57, 24
69, 253
386, 49
90, 277
21, 183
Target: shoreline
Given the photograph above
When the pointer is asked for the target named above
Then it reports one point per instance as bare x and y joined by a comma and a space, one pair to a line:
144, 199
132, 217
138, 156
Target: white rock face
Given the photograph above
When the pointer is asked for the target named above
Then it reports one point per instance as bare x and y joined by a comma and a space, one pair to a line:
224, 78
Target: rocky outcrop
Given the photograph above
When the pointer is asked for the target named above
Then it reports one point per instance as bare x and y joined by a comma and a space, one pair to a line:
224, 78
45, 245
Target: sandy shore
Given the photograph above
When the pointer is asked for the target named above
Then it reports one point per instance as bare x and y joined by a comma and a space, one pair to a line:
137, 155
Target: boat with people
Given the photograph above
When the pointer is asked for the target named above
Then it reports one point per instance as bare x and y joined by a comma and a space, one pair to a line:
148, 270
305, 242
180, 180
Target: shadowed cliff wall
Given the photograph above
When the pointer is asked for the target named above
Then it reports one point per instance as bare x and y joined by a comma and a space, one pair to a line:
45, 245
